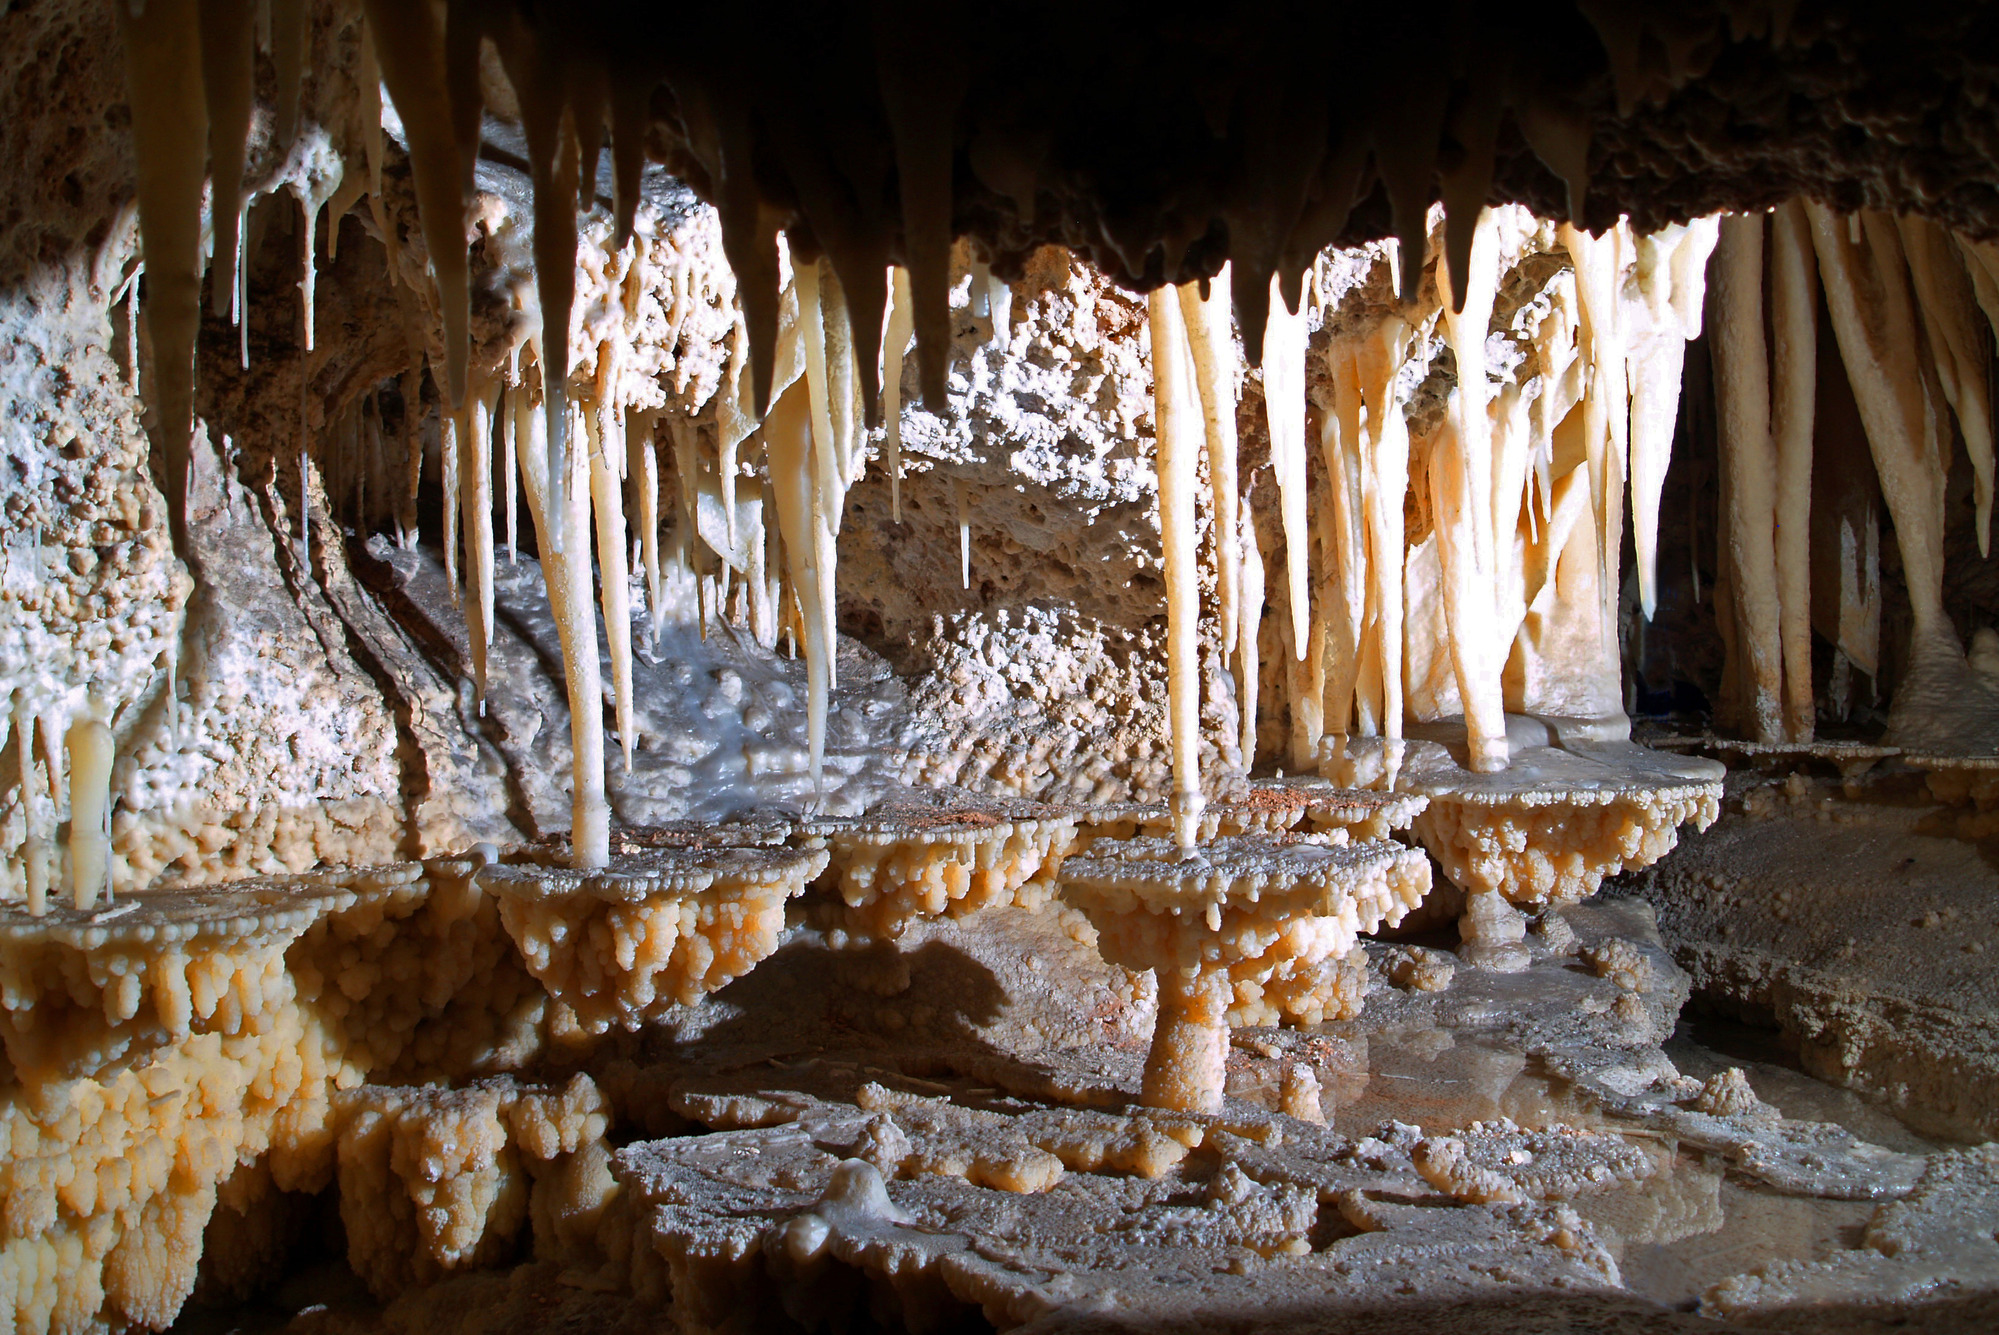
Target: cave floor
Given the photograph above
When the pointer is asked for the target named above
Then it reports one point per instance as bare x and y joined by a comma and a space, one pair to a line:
941, 1134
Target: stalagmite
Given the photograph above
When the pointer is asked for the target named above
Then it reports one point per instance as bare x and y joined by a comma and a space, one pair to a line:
1207, 323
1178, 447
1742, 394
566, 574
1284, 409
1793, 404
1461, 480
895, 346
1947, 300
170, 141
91, 751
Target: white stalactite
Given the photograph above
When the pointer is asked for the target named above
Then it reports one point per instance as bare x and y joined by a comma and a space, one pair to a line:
1793, 408
1178, 438
895, 346
1749, 464
91, 751
566, 574
1284, 410
1462, 486
1208, 334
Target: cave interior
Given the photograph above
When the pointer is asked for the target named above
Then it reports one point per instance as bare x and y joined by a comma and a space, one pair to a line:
898, 667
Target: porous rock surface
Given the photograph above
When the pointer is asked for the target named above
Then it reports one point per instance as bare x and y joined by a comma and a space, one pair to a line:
1864, 928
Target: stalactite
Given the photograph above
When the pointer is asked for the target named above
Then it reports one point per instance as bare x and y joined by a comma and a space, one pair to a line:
475, 495
308, 283
1742, 393
409, 43
894, 346
964, 534
645, 464
1386, 483
1462, 486
1874, 320
1249, 626
91, 751
788, 442
566, 575
1177, 438
36, 825
827, 480
1284, 408
1207, 324
1669, 270
450, 427
227, 78
605, 435
1947, 300
554, 171
1793, 405
170, 140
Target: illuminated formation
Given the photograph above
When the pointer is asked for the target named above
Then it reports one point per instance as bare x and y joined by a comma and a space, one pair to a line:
1065, 694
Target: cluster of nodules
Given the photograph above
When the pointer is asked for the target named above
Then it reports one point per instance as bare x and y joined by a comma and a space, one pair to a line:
398, 1033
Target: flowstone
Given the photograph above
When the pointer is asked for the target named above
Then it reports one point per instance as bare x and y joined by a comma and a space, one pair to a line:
1863, 925
1504, 1141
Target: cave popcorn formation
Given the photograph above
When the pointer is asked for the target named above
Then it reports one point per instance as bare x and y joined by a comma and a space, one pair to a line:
1409, 561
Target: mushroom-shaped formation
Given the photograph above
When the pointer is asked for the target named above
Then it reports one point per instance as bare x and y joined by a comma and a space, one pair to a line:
1959, 780
1305, 804
907, 858
1548, 828
152, 1046
1235, 930
1848, 759
1321, 805
78, 986
620, 944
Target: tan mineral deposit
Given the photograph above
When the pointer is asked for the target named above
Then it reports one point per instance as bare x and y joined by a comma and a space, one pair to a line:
923, 667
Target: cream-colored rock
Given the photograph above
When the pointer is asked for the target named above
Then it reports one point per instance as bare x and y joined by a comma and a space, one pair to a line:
902, 860
621, 943
1235, 931
1548, 829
